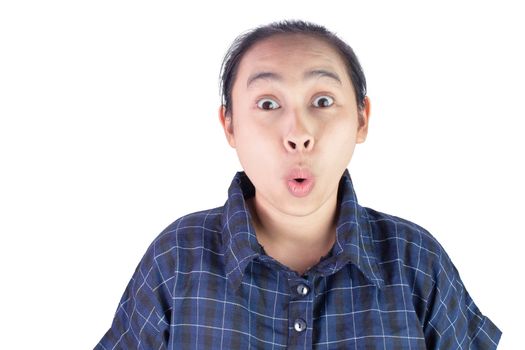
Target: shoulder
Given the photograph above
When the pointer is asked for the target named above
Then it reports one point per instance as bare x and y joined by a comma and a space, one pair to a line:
407, 252
185, 237
409, 255
392, 233
147, 303
184, 228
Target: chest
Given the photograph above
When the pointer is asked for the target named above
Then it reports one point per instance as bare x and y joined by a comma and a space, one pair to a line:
274, 310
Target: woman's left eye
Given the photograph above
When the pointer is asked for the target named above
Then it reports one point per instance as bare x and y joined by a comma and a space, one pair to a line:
323, 101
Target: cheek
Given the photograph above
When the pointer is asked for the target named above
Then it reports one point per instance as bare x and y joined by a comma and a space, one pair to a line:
251, 129
253, 143
341, 132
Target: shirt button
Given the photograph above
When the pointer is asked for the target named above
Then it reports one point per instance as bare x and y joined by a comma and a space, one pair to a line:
302, 289
299, 325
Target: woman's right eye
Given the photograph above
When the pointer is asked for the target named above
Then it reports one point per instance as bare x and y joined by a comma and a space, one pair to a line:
267, 104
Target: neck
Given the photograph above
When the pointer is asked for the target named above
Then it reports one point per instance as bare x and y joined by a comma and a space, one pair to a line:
298, 242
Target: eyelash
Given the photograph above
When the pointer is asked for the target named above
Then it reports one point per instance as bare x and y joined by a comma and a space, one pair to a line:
264, 99
325, 96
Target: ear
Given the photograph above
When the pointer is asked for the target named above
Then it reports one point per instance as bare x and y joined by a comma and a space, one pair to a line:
227, 125
364, 118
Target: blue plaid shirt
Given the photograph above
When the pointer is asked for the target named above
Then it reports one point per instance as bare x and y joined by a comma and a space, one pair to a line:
206, 283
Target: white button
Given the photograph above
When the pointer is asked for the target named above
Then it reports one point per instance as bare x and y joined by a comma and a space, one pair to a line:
299, 325
302, 289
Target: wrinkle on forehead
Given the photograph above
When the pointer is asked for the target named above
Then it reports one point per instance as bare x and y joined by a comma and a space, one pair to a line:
291, 44
316, 73
283, 53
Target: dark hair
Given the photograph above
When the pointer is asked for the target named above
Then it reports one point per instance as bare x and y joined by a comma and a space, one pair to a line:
245, 41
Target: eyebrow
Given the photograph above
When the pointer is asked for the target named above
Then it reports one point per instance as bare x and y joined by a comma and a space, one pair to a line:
307, 75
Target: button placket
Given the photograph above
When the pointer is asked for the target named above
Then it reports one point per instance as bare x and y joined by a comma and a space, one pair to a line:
300, 314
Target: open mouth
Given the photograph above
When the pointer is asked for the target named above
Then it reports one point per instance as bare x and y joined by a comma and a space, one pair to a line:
300, 182
300, 186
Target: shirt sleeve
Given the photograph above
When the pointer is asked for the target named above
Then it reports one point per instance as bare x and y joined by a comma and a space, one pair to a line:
143, 316
453, 320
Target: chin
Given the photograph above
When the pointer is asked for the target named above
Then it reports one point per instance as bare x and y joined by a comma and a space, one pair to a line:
299, 207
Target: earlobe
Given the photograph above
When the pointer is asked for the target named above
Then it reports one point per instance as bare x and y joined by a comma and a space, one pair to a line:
227, 125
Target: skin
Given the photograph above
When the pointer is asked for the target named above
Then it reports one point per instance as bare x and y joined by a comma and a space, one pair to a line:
299, 133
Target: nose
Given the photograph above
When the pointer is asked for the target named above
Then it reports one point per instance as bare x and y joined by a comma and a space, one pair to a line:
298, 138
300, 145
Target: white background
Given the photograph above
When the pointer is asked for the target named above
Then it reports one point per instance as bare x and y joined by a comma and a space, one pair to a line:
109, 132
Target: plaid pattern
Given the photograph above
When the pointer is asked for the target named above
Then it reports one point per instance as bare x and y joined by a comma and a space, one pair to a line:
206, 283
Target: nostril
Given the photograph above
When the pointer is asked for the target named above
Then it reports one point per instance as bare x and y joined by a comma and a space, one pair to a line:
291, 144
306, 143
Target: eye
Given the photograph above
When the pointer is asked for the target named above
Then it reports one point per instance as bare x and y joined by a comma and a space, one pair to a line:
267, 104
323, 101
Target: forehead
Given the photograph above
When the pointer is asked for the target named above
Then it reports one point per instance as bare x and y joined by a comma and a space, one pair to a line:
289, 54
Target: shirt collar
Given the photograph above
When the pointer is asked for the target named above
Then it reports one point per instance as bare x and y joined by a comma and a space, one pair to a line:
240, 244
353, 234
